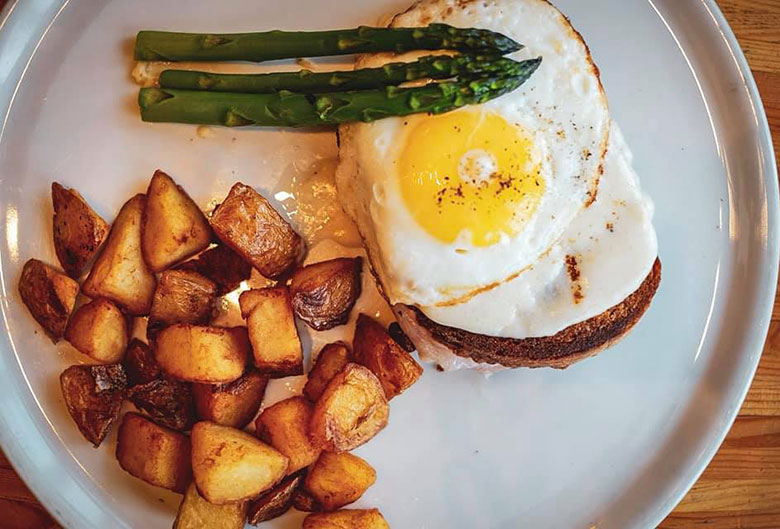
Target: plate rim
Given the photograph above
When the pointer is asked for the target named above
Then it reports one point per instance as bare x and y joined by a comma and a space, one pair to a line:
61, 498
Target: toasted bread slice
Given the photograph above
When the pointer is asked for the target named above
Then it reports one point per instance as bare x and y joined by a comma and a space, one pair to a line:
561, 350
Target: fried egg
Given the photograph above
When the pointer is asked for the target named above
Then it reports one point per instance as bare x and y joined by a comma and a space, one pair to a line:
456, 204
602, 258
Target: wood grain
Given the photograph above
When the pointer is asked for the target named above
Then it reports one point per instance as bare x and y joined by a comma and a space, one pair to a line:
741, 487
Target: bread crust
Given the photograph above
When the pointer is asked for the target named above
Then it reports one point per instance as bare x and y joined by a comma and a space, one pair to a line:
572, 344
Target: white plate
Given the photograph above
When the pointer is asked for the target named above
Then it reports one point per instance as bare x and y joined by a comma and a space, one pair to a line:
613, 442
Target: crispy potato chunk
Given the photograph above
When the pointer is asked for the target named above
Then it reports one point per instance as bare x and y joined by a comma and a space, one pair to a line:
156, 454
99, 330
233, 404
346, 519
174, 227
78, 230
330, 361
215, 355
304, 501
324, 293
182, 296
93, 396
49, 295
230, 465
285, 426
221, 265
140, 365
120, 272
275, 502
246, 222
196, 513
352, 410
374, 348
168, 402
336, 480
275, 342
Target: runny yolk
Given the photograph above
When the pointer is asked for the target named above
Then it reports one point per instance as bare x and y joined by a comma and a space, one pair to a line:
469, 172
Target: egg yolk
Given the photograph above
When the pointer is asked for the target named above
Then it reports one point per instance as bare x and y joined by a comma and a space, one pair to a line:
469, 172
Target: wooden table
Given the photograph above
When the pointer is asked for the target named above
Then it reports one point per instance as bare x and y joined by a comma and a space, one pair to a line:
741, 487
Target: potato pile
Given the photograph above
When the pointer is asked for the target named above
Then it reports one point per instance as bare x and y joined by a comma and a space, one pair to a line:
197, 386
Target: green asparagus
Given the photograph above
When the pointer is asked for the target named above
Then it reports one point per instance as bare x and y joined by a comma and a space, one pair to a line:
288, 109
430, 67
270, 45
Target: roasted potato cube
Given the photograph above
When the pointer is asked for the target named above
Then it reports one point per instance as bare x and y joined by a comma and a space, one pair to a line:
346, 519
352, 409
336, 480
78, 230
156, 454
246, 222
303, 501
221, 265
275, 502
324, 293
374, 348
174, 227
168, 402
182, 296
330, 361
93, 396
397, 333
214, 355
120, 272
196, 513
99, 330
233, 404
49, 295
140, 365
285, 426
275, 342
230, 465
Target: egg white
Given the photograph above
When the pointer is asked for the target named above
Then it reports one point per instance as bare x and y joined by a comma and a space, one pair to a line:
562, 108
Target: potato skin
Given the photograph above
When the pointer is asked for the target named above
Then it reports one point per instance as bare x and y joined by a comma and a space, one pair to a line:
248, 223
230, 465
156, 454
120, 272
174, 227
275, 502
139, 362
346, 519
285, 426
99, 330
234, 404
221, 265
331, 359
182, 296
168, 402
324, 293
397, 333
78, 230
49, 295
374, 348
93, 396
196, 513
214, 355
351, 411
303, 501
336, 480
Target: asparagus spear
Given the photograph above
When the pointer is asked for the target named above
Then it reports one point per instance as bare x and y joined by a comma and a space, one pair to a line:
269, 45
430, 67
288, 109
